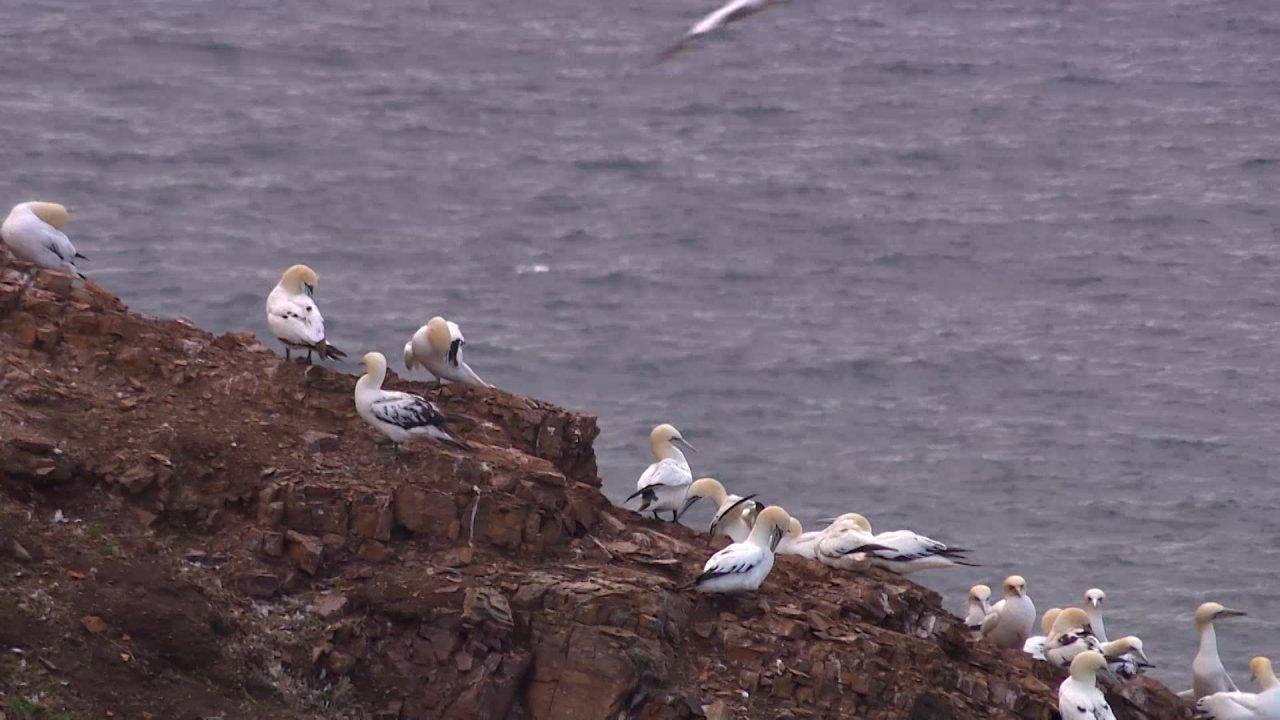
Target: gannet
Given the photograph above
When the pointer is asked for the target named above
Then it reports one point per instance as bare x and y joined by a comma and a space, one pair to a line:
663, 485
1009, 623
294, 318
1126, 656
846, 543
33, 232
1208, 676
734, 514
1245, 706
1034, 646
1070, 635
729, 12
977, 609
742, 566
798, 542
437, 346
1093, 598
398, 415
1078, 696
905, 552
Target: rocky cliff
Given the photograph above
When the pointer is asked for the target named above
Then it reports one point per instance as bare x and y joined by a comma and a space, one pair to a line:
191, 527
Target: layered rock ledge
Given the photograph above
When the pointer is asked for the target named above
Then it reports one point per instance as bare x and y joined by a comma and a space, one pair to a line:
192, 527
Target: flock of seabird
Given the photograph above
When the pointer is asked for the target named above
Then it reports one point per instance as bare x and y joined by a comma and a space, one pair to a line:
1073, 637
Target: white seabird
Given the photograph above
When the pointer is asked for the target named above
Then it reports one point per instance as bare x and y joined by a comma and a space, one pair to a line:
903, 551
1242, 705
1070, 635
742, 566
1078, 696
437, 346
1034, 646
33, 232
1009, 623
295, 319
1208, 676
1093, 599
735, 515
976, 609
846, 543
798, 542
1126, 656
663, 485
729, 12
398, 415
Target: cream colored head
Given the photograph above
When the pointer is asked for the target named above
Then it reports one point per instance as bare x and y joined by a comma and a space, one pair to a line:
771, 524
1211, 611
438, 335
1093, 597
375, 363
1087, 664
795, 530
1126, 644
853, 520
1014, 586
1047, 620
299, 279
50, 212
1263, 674
662, 440
709, 488
1068, 620
979, 593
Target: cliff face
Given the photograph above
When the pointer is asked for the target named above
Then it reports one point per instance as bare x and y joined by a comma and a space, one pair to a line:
192, 527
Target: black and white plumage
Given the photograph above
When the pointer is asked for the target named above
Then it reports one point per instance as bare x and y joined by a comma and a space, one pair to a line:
1070, 635
1078, 696
899, 551
437, 346
1126, 657
33, 232
729, 12
398, 415
846, 543
742, 566
294, 317
662, 486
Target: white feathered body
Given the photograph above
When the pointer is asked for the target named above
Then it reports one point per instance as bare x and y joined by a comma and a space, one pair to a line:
1240, 706
1010, 622
1081, 700
739, 567
443, 363
31, 239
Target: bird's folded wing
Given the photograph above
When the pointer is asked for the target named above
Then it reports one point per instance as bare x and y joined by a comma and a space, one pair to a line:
407, 411
664, 472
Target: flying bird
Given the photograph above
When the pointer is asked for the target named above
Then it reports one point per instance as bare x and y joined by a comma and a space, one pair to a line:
731, 11
33, 232
295, 319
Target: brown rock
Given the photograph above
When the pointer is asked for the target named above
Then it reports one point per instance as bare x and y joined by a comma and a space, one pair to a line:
260, 585
320, 442
423, 511
93, 624
330, 606
305, 550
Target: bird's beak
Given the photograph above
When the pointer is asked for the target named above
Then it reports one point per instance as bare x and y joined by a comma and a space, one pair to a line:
688, 503
1093, 602
685, 443
827, 521
774, 538
311, 289
1107, 671
1143, 656
1228, 612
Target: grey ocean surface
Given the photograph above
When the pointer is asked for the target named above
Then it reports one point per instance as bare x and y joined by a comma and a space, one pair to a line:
1004, 273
